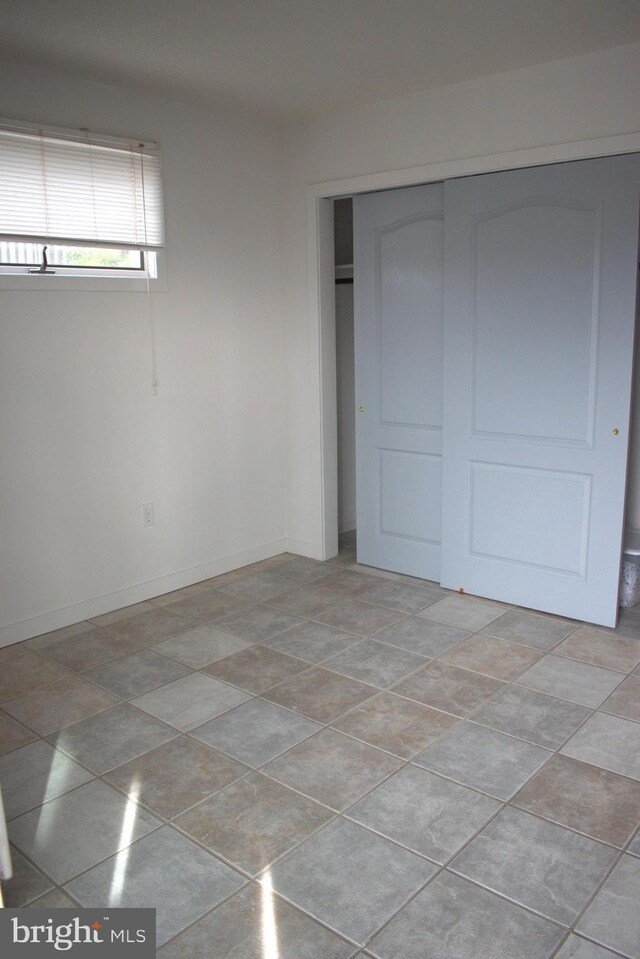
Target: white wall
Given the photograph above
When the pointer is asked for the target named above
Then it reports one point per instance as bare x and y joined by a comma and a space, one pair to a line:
83, 443
577, 99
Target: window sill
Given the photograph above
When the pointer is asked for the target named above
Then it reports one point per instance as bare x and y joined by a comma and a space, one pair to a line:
82, 284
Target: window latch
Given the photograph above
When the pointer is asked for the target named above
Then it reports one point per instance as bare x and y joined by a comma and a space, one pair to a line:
43, 264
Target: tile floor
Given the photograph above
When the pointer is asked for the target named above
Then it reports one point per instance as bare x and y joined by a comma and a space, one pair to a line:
304, 760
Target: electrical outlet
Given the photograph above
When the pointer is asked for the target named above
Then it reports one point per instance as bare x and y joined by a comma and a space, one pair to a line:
147, 515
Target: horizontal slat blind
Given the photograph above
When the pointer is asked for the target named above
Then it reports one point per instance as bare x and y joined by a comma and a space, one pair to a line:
78, 191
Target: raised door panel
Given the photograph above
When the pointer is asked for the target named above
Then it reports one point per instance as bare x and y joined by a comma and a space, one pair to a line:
409, 269
535, 277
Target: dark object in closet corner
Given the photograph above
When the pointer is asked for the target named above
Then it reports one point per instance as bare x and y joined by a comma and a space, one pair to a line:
344, 279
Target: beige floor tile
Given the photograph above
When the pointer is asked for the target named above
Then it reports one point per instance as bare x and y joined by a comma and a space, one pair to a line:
424, 812
313, 642
239, 929
356, 616
350, 879
348, 584
483, 759
200, 646
591, 800
309, 601
332, 768
190, 701
405, 597
118, 615
85, 652
258, 624
176, 775
60, 704
448, 688
399, 725
167, 599
465, 612
493, 657
13, 734
609, 742
530, 629
207, 606
256, 668
26, 673
12, 652
57, 635
601, 648
253, 821
134, 675
320, 695
150, 628
625, 700
530, 715
375, 663
571, 680
255, 732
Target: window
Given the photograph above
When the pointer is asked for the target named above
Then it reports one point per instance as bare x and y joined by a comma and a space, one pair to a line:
93, 202
26, 258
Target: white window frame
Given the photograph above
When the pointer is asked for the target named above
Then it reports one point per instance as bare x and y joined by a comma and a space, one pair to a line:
114, 281
85, 279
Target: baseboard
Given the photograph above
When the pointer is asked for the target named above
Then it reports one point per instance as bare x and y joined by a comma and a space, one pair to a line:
303, 547
347, 525
57, 618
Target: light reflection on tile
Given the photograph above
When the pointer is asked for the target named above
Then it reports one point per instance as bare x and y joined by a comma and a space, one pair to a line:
176, 775
113, 737
36, 773
253, 821
196, 883
255, 924
60, 704
77, 830
126, 836
336, 877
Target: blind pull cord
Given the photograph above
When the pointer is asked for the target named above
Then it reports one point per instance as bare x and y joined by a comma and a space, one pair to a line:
152, 329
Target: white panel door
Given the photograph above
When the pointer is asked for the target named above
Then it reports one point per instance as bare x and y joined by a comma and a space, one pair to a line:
398, 272
540, 295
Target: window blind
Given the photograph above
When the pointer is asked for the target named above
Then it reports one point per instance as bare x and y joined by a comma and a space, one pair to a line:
77, 189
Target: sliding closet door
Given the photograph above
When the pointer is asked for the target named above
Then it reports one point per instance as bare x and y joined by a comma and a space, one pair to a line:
398, 271
540, 294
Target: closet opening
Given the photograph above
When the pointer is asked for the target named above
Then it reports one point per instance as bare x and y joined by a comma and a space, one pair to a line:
345, 376
543, 454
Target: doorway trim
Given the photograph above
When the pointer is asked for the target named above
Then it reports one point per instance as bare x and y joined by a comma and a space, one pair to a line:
320, 261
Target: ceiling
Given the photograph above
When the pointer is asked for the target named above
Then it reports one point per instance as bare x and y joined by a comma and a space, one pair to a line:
286, 59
